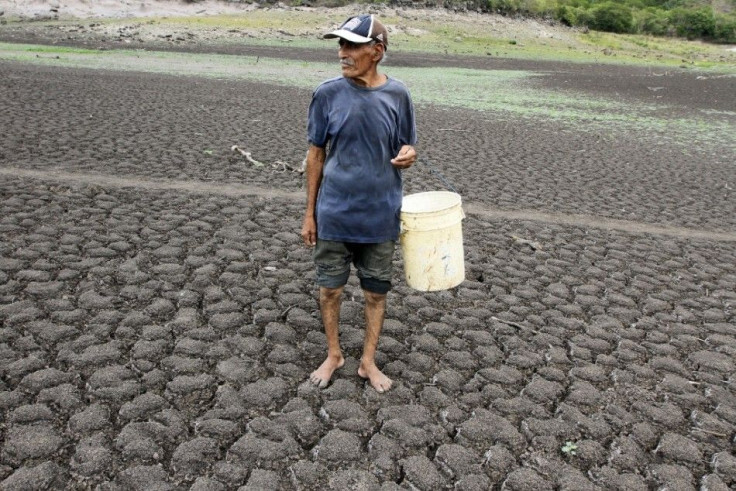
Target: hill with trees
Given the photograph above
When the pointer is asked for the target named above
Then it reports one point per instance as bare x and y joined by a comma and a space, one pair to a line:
709, 20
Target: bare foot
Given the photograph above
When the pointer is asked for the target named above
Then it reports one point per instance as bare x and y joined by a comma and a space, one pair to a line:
321, 377
378, 380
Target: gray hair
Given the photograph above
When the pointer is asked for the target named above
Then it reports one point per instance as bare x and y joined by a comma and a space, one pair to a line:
383, 58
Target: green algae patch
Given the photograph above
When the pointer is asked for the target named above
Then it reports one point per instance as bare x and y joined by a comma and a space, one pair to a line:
505, 93
484, 90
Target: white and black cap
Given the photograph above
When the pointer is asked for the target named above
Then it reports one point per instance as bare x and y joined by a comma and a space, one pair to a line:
361, 29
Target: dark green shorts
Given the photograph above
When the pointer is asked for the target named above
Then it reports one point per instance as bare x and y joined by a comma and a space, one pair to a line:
374, 263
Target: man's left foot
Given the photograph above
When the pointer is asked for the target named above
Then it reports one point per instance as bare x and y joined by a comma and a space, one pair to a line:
378, 380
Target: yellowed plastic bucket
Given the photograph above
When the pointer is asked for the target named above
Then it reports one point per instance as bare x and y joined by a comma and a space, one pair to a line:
432, 240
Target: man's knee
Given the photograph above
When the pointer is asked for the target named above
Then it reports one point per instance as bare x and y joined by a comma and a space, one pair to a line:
330, 295
373, 298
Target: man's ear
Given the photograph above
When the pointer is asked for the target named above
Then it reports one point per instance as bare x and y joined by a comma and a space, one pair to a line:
380, 50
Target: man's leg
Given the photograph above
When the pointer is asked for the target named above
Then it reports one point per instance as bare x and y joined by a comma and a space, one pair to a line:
329, 305
375, 310
333, 268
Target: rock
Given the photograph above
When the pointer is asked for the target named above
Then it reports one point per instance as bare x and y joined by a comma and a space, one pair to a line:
410, 437
543, 391
711, 360
304, 425
676, 448
207, 484
420, 473
673, 476
31, 442
724, 464
262, 479
712, 482
31, 413
186, 385
271, 452
230, 474
339, 446
354, 479
486, 429
160, 308
264, 393
222, 430
498, 462
144, 478
474, 482
456, 461
94, 418
142, 406
35, 377
194, 456
115, 383
44, 476
385, 454
308, 475
525, 479
92, 458
92, 300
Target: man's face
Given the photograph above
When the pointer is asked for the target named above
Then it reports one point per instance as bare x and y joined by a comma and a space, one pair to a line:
357, 60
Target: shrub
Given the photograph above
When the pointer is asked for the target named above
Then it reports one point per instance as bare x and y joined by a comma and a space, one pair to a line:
725, 29
503, 6
612, 17
575, 3
574, 16
693, 23
542, 8
566, 15
584, 17
652, 21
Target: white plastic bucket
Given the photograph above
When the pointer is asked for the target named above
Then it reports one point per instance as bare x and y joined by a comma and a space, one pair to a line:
432, 240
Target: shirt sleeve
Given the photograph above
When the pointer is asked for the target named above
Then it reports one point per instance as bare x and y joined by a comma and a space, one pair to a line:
408, 130
317, 120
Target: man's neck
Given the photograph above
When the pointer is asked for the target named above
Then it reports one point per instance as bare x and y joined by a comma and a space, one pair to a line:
370, 80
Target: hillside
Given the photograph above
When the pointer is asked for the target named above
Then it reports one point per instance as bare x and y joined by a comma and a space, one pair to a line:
180, 25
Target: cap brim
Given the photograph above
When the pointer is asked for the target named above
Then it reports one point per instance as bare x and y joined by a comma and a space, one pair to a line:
347, 36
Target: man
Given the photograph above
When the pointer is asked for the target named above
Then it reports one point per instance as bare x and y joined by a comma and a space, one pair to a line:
354, 189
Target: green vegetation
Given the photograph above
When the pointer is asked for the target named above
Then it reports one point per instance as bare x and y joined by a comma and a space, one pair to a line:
692, 19
569, 448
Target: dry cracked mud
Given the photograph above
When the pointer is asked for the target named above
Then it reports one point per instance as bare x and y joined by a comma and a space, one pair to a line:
159, 316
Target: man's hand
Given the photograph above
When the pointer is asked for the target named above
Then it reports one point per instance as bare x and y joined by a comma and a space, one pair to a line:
309, 231
406, 157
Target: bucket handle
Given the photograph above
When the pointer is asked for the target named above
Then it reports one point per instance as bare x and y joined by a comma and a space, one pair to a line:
438, 174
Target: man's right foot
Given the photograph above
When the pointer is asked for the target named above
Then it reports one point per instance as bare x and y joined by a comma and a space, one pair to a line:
321, 377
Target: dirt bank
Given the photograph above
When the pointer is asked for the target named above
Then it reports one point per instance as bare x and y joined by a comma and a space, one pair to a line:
116, 9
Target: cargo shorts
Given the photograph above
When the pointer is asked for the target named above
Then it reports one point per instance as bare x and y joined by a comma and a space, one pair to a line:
374, 263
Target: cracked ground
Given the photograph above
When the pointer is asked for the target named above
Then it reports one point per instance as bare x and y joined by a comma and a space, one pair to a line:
159, 316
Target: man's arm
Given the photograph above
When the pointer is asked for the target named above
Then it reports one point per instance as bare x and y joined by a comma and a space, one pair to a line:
315, 163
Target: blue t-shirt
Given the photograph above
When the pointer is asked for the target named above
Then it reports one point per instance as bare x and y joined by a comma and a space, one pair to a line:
359, 198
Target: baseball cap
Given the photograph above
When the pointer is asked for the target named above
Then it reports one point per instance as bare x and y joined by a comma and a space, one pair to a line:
361, 29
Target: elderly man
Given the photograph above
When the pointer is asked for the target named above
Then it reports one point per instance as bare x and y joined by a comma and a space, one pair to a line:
361, 134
